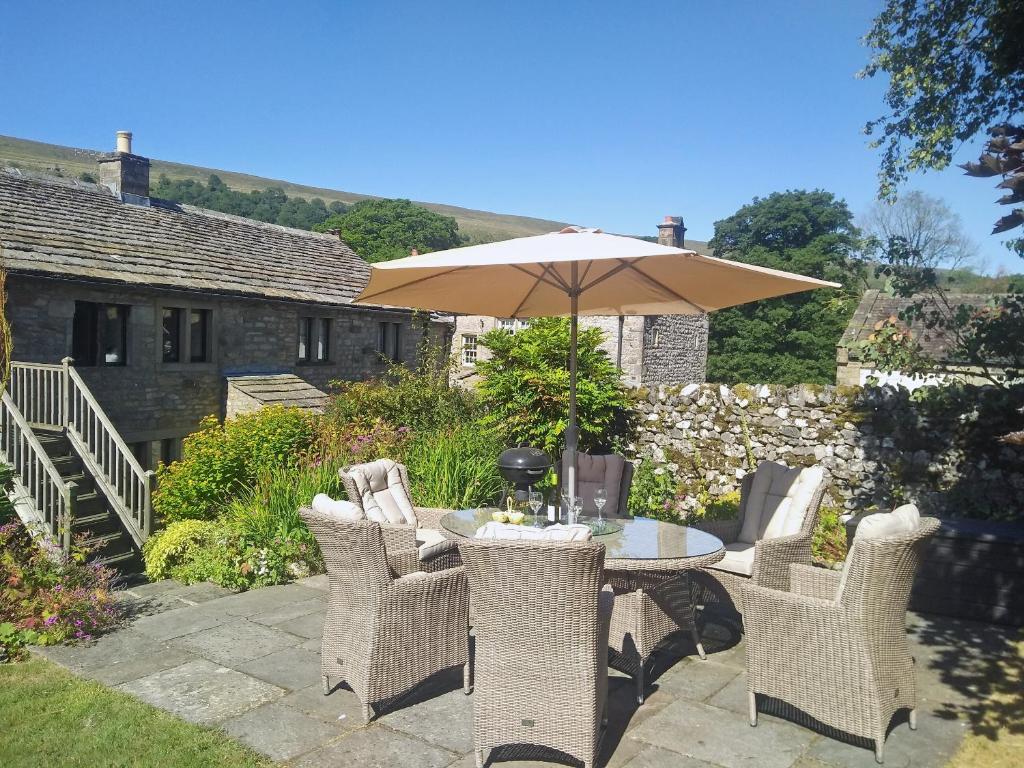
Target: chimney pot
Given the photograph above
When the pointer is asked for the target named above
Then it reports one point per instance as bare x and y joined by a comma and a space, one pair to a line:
672, 232
124, 142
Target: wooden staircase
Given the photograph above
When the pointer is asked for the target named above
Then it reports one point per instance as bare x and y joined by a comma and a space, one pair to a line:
93, 516
73, 473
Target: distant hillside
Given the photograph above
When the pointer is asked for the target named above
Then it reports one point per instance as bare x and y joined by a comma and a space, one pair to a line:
479, 226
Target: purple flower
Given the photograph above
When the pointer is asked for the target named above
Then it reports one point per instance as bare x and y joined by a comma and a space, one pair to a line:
51, 620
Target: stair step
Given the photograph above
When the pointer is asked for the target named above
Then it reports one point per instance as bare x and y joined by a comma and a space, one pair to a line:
88, 521
119, 558
67, 465
82, 480
104, 539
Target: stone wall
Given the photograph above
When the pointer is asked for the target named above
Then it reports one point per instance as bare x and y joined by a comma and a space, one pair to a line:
149, 400
878, 445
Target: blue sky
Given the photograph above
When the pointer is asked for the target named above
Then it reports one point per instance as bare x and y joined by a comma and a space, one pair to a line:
608, 114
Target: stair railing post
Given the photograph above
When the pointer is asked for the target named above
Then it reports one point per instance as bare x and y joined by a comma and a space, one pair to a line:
147, 504
65, 392
70, 502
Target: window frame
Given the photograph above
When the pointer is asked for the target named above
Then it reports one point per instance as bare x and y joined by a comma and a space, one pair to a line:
317, 333
96, 333
389, 340
177, 313
466, 346
185, 310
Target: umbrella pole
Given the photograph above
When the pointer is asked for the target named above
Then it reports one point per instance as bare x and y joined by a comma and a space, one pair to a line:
572, 433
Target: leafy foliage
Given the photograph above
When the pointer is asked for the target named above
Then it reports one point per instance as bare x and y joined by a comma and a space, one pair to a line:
47, 598
381, 230
792, 339
1004, 157
927, 223
455, 467
175, 544
829, 543
954, 67
525, 387
220, 459
270, 205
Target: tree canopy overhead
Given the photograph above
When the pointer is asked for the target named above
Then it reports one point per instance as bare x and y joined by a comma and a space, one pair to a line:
792, 339
955, 68
382, 230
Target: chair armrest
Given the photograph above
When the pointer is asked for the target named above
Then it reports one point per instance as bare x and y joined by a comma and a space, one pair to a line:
772, 558
402, 562
441, 556
430, 517
726, 530
430, 585
811, 581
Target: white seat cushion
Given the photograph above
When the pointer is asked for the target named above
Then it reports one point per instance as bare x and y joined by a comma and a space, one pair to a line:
778, 502
339, 508
557, 532
901, 520
382, 492
739, 559
427, 541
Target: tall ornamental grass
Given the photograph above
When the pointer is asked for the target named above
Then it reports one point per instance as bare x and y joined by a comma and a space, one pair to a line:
454, 468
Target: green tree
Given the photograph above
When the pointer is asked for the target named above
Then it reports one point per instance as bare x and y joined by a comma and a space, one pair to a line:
955, 68
382, 230
792, 339
525, 387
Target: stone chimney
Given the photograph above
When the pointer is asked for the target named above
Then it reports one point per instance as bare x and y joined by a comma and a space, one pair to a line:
671, 232
125, 174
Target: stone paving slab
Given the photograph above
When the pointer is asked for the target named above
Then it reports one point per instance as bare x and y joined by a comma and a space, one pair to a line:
249, 663
202, 692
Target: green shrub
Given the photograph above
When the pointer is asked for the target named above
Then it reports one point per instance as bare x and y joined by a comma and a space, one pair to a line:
220, 459
176, 544
49, 599
419, 398
653, 492
7, 512
829, 543
525, 388
454, 468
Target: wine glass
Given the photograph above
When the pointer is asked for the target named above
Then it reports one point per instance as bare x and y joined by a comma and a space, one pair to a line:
536, 500
566, 505
577, 508
600, 499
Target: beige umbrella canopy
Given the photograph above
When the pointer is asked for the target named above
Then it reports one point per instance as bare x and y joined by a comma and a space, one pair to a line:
574, 272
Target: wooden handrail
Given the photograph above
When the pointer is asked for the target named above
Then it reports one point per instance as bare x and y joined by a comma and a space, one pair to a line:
52, 498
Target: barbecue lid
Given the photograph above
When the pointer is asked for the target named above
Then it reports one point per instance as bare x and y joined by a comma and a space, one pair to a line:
524, 457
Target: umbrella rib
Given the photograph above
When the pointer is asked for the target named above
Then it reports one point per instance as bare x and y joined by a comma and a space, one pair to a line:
411, 282
605, 276
529, 293
560, 285
661, 285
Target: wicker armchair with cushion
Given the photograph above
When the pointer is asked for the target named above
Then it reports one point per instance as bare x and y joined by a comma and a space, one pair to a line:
777, 517
385, 634
835, 645
541, 662
380, 489
609, 471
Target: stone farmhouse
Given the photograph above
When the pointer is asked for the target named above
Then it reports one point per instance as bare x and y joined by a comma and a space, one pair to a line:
134, 318
876, 307
652, 350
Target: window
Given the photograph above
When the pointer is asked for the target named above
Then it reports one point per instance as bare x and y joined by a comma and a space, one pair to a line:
199, 335
511, 325
469, 349
99, 334
170, 449
314, 339
181, 342
171, 321
389, 341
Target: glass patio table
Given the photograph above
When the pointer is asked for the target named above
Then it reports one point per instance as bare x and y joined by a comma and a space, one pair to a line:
648, 564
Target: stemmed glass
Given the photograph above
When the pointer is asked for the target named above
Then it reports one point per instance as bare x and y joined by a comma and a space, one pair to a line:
577, 508
536, 501
600, 499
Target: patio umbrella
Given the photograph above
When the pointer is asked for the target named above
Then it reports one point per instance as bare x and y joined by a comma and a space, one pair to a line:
574, 272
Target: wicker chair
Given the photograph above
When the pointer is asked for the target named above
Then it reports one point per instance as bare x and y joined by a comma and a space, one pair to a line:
386, 632
541, 661
835, 646
778, 514
381, 490
609, 471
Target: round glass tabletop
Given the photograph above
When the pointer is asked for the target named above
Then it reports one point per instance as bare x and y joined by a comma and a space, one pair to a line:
638, 538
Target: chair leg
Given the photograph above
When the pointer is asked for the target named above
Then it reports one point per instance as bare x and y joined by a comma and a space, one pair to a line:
913, 719
467, 679
640, 685
479, 754
752, 707
367, 713
327, 684
879, 746
697, 642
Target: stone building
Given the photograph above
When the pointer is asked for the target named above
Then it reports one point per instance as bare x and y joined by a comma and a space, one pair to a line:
652, 350
877, 307
170, 312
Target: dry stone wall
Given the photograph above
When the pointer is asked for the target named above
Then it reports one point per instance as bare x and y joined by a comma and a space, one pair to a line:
878, 445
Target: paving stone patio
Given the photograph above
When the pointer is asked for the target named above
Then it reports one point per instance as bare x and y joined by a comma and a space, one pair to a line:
249, 664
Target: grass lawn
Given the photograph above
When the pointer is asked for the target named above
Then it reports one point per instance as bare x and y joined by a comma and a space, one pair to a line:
50, 717
996, 738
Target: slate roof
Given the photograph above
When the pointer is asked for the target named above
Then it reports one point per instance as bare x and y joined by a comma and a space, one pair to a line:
281, 389
72, 229
876, 305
